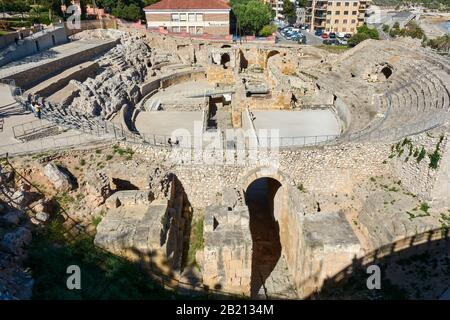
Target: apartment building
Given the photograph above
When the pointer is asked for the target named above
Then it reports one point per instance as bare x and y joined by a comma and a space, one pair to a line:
336, 15
277, 6
195, 17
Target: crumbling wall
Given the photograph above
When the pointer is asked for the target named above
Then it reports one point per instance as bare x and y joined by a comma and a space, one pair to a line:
411, 164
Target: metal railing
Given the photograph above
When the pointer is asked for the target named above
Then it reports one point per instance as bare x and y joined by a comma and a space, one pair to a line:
105, 129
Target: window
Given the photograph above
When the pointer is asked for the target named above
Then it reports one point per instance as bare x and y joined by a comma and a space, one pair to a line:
345, 21
175, 29
183, 29
328, 12
353, 20
344, 29
328, 21
191, 16
345, 12
338, 4
336, 29
182, 16
352, 29
347, 4
337, 13
200, 17
175, 17
354, 13
336, 21
192, 30
330, 3
199, 30
355, 4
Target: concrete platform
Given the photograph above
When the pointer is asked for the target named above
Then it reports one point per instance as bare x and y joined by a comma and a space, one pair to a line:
185, 93
167, 122
294, 126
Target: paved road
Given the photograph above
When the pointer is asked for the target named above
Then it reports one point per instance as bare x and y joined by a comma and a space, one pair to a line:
311, 39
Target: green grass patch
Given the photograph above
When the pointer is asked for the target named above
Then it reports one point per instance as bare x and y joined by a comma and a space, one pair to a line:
195, 240
103, 275
333, 49
126, 153
96, 221
64, 200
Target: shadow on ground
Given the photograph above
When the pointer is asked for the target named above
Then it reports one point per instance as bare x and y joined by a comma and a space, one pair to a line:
416, 267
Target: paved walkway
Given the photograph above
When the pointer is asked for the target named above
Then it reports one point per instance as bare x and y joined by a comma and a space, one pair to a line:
12, 114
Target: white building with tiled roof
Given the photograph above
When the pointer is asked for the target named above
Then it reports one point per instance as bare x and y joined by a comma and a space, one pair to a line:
190, 16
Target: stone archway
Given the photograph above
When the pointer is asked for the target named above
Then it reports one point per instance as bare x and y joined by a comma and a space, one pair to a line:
225, 60
266, 194
386, 72
260, 198
270, 54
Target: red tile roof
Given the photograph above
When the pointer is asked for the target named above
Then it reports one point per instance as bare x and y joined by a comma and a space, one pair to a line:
188, 4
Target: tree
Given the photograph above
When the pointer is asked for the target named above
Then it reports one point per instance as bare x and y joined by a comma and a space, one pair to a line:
252, 15
268, 30
302, 3
289, 11
363, 33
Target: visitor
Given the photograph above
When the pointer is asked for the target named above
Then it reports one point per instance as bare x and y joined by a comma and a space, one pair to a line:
38, 111
169, 141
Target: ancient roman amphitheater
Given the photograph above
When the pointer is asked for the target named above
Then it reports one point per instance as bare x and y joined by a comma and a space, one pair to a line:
295, 164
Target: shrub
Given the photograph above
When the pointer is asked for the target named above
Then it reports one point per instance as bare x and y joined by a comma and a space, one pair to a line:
434, 159
440, 43
268, 30
421, 155
424, 207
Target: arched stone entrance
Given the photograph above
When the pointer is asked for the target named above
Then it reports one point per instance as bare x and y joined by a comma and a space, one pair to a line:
386, 72
225, 60
266, 194
260, 198
269, 55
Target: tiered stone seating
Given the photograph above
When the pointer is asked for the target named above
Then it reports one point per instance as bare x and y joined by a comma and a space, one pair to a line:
416, 98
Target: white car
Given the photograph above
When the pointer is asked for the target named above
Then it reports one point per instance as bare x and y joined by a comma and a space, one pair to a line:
340, 34
342, 41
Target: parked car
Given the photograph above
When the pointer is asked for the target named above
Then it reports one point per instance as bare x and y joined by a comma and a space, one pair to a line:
296, 37
340, 34
332, 35
318, 32
332, 42
342, 41
348, 35
324, 35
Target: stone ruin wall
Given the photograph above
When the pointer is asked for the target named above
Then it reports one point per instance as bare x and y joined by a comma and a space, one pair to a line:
427, 183
323, 170
227, 253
